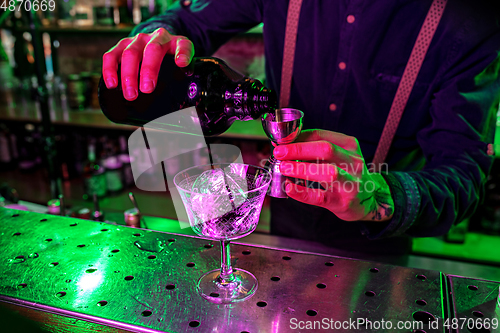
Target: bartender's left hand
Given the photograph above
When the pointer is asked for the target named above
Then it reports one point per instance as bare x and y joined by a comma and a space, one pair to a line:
335, 161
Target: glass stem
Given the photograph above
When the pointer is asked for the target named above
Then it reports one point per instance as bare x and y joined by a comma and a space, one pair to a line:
226, 270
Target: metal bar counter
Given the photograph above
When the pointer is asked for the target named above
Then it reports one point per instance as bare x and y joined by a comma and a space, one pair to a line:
138, 280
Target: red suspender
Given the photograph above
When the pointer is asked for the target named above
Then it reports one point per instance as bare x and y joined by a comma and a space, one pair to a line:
407, 80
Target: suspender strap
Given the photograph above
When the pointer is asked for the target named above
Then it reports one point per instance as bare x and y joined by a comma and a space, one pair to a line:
408, 80
406, 84
292, 23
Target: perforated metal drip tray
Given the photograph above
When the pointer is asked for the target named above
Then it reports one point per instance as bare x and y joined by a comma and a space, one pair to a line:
145, 281
474, 305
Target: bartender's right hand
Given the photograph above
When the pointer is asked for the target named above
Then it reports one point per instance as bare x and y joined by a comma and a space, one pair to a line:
150, 49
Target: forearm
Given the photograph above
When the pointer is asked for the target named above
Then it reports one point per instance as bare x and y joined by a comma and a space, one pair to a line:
448, 196
429, 202
208, 24
381, 208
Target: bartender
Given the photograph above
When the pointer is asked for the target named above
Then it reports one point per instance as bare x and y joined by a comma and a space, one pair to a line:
348, 62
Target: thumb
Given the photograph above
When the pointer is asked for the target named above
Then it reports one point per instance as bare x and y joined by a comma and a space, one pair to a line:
184, 51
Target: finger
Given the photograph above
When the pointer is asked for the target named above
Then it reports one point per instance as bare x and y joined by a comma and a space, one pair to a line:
345, 141
314, 197
319, 151
110, 61
153, 55
184, 52
325, 174
131, 58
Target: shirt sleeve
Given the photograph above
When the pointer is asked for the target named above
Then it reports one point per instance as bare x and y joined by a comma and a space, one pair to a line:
207, 23
455, 145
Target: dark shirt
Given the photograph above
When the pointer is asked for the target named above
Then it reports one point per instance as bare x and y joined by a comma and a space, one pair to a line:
438, 161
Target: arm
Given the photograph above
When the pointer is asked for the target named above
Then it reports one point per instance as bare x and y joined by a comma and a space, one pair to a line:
420, 203
207, 23
200, 27
449, 188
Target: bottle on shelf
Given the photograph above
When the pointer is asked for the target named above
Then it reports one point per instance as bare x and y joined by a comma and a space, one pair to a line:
94, 98
219, 94
104, 12
6, 77
82, 13
124, 157
76, 92
65, 13
87, 86
6, 162
123, 12
29, 154
94, 175
143, 10
8, 196
113, 173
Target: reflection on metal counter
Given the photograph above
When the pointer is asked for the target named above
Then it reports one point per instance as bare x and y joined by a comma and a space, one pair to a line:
473, 305
144, 281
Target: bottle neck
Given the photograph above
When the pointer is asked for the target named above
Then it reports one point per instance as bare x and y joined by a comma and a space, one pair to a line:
248, 99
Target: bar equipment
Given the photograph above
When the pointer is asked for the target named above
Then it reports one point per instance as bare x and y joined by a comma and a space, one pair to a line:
223, 203
95, 274
97, 215
281, 132
113, 173
54, 207
133, 216
83, 213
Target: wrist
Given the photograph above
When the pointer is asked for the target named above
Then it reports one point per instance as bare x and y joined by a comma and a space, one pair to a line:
381, 206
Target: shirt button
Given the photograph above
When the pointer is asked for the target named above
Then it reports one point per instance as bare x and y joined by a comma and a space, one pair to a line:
351, 19
342, 65
333, 107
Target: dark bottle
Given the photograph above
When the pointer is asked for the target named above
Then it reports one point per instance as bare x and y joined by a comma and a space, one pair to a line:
219, 94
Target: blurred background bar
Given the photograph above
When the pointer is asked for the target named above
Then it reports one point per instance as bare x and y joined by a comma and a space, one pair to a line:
93, 156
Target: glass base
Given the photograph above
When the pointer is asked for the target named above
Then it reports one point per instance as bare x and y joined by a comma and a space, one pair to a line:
209, 286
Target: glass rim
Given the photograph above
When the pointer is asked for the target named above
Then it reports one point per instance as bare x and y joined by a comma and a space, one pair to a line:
213, 195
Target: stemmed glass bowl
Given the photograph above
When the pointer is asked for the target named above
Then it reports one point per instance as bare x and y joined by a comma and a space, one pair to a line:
223, 202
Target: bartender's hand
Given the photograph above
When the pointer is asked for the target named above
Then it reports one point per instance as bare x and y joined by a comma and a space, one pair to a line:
335, 161
148, 49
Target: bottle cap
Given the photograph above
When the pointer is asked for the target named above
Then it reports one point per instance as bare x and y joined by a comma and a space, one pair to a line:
98, 216
83, 213
54, 207
132, 218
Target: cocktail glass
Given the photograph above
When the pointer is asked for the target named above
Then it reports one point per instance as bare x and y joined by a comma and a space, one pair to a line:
223, 209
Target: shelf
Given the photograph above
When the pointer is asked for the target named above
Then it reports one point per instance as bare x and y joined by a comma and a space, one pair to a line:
95, 29
87, 29
27, 111
116, 30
